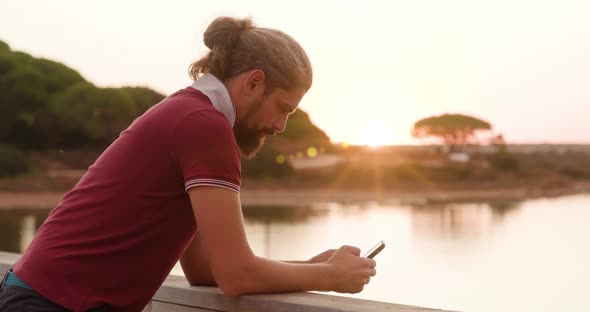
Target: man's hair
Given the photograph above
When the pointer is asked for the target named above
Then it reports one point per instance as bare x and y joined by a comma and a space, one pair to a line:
238, 46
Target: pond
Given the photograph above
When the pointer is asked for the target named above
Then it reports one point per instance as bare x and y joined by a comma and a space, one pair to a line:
532, 255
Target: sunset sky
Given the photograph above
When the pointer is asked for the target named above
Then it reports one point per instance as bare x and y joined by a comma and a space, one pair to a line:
379, 66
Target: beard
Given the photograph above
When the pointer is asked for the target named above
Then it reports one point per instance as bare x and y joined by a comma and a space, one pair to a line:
249, 139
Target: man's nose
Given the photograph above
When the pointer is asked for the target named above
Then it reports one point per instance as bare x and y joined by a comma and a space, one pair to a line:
280, 125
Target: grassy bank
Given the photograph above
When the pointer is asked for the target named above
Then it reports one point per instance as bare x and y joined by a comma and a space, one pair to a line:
361, 175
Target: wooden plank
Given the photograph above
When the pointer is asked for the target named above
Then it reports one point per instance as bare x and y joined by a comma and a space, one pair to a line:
157, 306
7, 259
177, 294
178, 291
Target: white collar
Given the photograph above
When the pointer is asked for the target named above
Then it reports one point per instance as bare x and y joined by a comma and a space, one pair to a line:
217, 93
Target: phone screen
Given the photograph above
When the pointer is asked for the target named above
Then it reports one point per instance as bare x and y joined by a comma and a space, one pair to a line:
375, 250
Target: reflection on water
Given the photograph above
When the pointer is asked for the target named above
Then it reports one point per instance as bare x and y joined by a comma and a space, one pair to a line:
281, 214
440, 220
489, 256
459, 221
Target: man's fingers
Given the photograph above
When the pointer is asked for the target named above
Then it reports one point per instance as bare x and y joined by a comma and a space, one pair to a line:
351, 249
372, 272
369, 273
370, 263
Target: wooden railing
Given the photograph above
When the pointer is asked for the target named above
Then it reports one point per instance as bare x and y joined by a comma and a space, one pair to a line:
175, 295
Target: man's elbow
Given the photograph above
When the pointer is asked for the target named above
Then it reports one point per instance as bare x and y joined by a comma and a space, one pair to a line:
236, 281
200, 282
235, 285
231, 291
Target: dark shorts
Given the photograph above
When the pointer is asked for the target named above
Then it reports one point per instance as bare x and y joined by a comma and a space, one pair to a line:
16, 298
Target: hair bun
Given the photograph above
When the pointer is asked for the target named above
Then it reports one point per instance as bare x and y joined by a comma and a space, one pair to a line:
224, 32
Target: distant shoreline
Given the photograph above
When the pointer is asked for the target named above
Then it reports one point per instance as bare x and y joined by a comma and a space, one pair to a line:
266, 197
299, 197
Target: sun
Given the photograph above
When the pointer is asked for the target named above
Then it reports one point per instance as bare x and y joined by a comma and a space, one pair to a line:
373, 134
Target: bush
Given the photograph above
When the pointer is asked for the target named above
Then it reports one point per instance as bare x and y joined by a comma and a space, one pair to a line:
504, 161
405, 173
575, 173
12, 161
143, 98
265, 165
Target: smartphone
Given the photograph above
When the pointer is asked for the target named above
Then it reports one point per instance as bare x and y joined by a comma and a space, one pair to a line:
375, 250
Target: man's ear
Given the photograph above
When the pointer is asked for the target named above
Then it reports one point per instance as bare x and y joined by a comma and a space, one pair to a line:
255, 82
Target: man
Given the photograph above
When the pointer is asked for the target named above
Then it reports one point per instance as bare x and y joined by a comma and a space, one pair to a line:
168, 189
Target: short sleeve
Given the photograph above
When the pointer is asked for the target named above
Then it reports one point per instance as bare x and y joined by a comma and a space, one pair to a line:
206, 151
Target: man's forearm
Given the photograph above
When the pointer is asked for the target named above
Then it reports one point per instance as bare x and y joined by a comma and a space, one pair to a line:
269, 276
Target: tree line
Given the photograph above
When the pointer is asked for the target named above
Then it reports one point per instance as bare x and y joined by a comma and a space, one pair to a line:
47, 105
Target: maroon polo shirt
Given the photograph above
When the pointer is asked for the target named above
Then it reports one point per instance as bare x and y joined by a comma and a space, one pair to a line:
116, 235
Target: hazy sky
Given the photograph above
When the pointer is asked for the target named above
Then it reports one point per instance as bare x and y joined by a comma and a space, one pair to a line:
379, 66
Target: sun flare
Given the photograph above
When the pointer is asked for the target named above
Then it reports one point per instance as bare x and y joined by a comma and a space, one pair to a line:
372, 134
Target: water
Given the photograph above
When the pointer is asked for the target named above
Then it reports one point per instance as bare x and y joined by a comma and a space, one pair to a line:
511, 256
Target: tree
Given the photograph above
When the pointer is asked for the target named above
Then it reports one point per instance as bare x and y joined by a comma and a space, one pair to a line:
26, 86
46, 104
4, 45
22, 94
94, 114
12, 161
143, 98
264, 165
453, 129
299, 134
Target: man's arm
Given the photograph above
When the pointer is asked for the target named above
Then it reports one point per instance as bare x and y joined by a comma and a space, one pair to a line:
237, 270
195, 264
321, 258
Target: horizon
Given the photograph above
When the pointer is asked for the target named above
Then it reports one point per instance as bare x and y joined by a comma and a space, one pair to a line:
500, 61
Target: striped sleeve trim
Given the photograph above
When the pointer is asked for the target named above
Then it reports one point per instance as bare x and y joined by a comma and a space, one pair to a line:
212, 182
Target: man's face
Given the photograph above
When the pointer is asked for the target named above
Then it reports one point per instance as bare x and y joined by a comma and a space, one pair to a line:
266, 116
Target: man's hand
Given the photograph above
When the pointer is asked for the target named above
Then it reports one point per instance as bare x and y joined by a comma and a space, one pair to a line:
323, 257
352, 272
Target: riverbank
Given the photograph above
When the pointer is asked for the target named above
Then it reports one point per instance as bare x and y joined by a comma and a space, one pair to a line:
302, 197
384, 175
